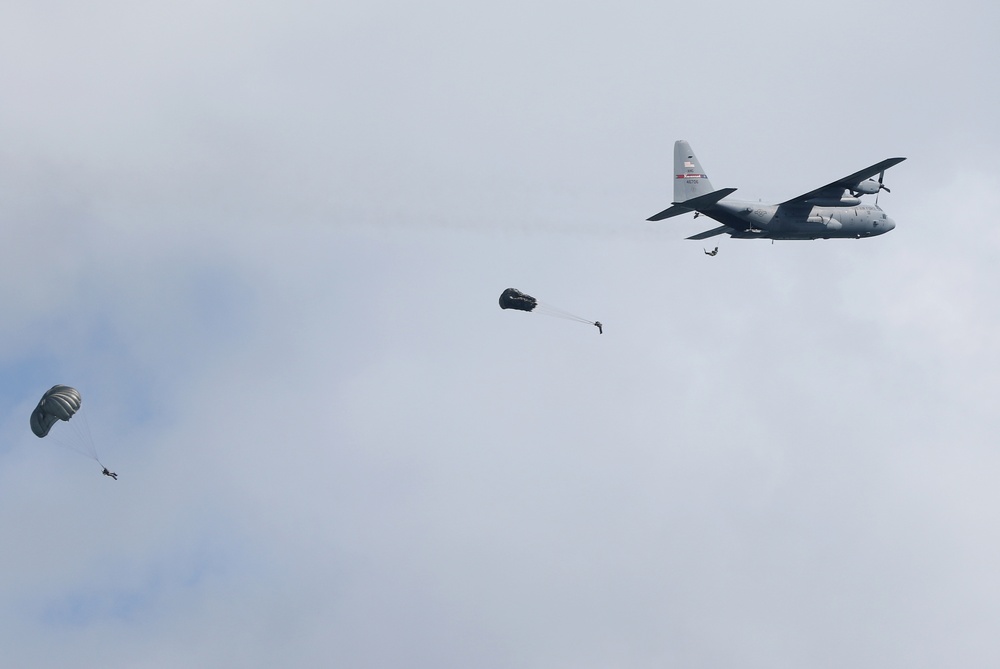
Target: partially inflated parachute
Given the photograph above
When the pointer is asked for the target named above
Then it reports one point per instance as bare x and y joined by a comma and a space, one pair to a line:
512, 298
59, 403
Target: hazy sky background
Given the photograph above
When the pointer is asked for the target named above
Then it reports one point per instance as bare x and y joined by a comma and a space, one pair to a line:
266, 241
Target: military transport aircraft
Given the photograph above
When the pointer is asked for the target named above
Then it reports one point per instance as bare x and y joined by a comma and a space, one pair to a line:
834, 210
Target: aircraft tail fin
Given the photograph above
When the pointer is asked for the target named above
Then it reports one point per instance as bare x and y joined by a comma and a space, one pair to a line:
690, 179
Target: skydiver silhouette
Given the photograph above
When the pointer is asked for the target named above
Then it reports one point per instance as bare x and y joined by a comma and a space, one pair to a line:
600, 328
712, 252
111, 474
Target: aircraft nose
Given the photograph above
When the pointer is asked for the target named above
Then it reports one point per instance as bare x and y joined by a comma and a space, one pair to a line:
889, 224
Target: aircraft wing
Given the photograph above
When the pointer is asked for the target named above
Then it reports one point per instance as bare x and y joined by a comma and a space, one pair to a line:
835, 190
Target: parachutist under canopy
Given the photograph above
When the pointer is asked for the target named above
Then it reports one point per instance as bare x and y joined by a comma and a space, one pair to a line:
512, 298
600, 328
712, 252
111, 474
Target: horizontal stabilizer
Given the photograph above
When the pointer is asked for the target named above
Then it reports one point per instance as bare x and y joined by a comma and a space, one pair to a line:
699, 203
668, 213
721, 230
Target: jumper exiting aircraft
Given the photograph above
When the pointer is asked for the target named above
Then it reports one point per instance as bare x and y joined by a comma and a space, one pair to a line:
832, 211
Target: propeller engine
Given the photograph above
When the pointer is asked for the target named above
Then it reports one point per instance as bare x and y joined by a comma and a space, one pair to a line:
866, 187
871, 187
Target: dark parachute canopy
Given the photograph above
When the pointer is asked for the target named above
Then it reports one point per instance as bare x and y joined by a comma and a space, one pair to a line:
59, 403
512, 298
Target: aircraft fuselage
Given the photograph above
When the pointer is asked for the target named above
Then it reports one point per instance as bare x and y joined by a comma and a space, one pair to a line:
801, 220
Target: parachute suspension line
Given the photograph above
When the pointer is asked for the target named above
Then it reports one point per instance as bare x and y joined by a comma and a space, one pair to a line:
72, 443
81, 441
87, 436
549, 310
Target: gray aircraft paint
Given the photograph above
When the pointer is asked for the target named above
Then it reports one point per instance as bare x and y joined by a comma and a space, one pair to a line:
831, 211
690, 179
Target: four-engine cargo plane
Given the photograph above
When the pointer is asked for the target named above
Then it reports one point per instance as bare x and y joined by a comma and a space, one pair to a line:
834, 210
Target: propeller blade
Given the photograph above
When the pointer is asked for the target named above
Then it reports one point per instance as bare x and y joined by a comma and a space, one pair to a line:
881, 186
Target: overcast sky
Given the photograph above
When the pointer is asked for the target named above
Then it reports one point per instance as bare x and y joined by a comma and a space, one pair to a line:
266, 241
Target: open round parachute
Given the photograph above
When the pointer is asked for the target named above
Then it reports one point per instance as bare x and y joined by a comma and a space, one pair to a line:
512, 298
59, 403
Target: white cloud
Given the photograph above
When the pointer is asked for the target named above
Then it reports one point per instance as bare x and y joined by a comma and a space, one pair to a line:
267, 244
